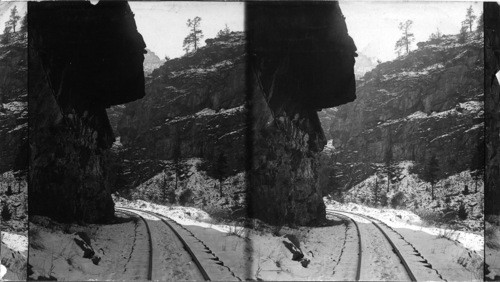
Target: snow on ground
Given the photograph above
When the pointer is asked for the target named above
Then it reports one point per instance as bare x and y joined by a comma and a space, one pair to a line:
204, 190
53, 250
15, 242
13, 252
258, 253
456, 255
206, 113
406, 219
417, 197
492, 248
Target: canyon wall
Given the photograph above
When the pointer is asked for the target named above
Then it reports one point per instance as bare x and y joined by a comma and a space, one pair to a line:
83, 59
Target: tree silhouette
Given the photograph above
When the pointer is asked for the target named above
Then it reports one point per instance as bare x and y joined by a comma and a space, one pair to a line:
220, 170
177, 162
406, 37
431, 173
192, 40
9, 191
224, 32
469, 18
24, 24
14, 18
389, 168
462, 213
477, 164
6, 214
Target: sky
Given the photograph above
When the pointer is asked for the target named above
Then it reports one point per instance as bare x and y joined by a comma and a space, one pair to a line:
163, 24
374, 25
5, 8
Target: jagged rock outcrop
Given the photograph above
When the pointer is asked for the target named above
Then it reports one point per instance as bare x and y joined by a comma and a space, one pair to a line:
13, 104
301, 60
492, 107
83, 58
429, 102
196, 102
13, 131
151, 62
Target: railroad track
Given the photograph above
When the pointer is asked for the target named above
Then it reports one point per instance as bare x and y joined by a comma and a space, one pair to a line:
199, 252
186, 246
349, 215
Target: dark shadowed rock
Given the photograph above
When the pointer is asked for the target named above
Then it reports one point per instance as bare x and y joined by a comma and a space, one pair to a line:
301, 60
83, 58
492, 107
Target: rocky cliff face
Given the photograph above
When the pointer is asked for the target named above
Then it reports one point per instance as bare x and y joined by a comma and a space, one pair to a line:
14, 131
301, 60
492, 106
13, 104
83, 58
195, 103
151, 62
429, 102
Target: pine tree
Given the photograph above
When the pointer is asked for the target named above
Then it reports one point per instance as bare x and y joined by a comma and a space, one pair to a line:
177, 162
220, 170
469, 18
437, 35
480, 25
376, 191
192, 40
24, 24
14, 18
389, 167
477, 164
465, 192
224, 32
431, 173
406, 39
6, 214
462, 213
9, 191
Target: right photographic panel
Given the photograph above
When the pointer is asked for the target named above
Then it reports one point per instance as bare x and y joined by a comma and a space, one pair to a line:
368, 140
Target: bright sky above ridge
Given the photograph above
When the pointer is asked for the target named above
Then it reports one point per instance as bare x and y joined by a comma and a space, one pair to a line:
163, 24
374, 25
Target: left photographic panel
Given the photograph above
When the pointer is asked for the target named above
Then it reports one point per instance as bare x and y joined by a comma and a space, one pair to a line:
13, 140
137, 141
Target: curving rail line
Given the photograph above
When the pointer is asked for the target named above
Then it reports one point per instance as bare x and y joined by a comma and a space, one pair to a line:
150, 266
395, 249
358, 269
186, 246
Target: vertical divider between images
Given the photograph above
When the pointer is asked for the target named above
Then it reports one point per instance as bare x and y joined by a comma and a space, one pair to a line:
249, 135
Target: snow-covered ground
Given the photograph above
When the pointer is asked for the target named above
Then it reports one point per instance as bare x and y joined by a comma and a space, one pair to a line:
492, 248
417, 197
203, 189
457, 255
259, 252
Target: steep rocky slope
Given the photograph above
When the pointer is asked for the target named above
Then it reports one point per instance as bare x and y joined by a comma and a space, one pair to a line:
14, 131
195, 102
73, 78
427, 103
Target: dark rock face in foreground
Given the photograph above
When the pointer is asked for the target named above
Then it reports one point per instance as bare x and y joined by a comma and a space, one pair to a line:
301, 60
83, 58
492, 107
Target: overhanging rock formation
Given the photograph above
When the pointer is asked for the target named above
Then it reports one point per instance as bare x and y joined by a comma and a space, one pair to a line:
301, 60
492, 106
83, 58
